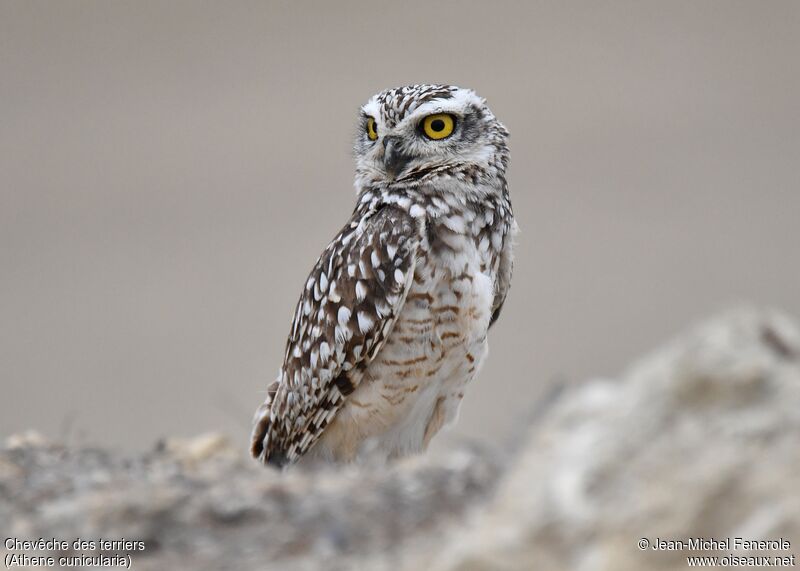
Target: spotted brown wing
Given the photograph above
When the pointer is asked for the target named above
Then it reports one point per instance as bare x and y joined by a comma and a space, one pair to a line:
348, 307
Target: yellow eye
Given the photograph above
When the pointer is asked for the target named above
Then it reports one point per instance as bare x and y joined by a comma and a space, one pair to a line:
438, 126
372, 129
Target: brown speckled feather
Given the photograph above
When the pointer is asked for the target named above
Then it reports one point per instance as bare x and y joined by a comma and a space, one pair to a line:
346, 310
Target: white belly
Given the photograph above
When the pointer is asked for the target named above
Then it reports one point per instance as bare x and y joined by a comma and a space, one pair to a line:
415, 384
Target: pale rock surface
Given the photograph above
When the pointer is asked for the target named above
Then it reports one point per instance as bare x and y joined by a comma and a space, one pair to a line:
699, 439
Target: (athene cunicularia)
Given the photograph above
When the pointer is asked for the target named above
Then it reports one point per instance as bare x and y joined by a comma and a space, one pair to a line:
392, 322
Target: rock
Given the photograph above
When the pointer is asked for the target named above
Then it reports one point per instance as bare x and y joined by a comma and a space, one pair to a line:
202, 504
699, 439
27, 439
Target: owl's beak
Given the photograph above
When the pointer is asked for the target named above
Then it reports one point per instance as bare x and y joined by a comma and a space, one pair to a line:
394, 160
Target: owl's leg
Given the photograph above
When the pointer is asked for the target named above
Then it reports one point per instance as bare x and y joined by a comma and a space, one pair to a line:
445, 411
435, 422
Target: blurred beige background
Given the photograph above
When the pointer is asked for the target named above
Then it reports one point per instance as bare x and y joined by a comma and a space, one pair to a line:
169, 172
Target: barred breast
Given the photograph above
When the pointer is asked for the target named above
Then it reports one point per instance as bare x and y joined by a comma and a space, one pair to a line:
415, 384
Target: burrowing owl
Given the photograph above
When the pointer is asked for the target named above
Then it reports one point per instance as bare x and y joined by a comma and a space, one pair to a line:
392, 322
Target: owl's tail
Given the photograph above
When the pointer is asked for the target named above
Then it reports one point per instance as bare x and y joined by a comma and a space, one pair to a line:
261, 424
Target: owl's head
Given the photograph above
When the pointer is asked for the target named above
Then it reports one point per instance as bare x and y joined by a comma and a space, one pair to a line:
429, 134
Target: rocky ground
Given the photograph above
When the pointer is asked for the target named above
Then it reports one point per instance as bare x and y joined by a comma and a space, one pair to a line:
699, 439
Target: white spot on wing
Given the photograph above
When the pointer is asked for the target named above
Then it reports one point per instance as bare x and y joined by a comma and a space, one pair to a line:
333, 293
324, 351
364, 322
361, 291
344, 316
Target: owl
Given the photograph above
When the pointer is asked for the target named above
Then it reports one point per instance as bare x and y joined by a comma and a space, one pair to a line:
392, 322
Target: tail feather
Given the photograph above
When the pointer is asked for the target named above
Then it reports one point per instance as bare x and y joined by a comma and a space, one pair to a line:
260, 436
